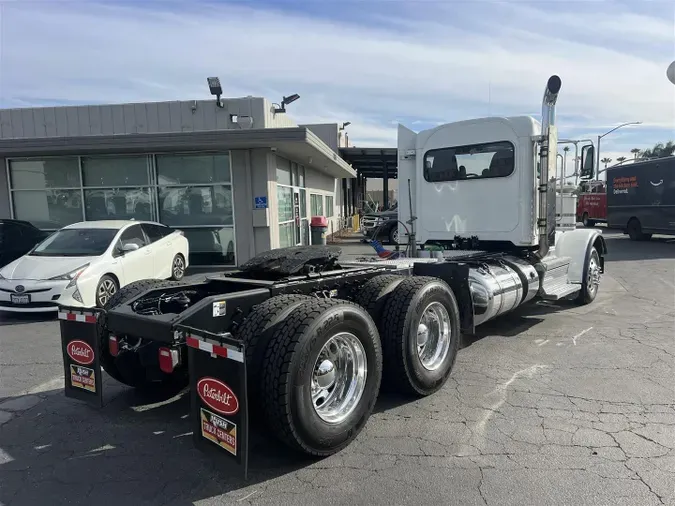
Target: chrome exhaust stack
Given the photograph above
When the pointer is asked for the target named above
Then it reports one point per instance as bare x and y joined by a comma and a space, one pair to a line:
549, 149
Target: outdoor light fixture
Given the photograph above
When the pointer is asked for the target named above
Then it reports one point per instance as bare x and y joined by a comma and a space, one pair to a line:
597, 170
285, 101
215, 89
345, 125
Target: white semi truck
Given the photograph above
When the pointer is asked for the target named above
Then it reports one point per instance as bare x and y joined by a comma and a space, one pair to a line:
301, 342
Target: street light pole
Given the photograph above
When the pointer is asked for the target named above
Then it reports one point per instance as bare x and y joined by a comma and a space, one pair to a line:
597, 170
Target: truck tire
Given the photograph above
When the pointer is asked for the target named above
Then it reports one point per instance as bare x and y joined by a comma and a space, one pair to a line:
318, 350
634, 230
591, 280
129, 371
420, 335
256, 332
374, 293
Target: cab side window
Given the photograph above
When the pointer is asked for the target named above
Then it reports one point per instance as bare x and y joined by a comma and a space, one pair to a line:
133, 234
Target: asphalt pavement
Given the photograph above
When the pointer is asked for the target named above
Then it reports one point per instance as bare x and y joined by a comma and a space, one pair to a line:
552, 405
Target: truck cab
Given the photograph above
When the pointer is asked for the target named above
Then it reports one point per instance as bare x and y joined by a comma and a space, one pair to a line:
489, 182
592, 203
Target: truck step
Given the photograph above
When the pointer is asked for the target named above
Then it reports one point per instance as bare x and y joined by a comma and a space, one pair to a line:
555, 285
553, 264
559, 291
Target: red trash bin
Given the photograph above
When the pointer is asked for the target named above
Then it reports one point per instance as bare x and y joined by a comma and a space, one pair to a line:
319, 226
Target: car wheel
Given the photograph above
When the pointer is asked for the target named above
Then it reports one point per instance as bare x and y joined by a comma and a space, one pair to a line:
106, 288
393, 235
584, 220
178, 267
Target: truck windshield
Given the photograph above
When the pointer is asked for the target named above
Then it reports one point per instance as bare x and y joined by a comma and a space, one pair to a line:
476, 161
76, 242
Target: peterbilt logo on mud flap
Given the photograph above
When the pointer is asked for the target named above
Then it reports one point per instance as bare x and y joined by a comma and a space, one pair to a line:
218, 396
80, 352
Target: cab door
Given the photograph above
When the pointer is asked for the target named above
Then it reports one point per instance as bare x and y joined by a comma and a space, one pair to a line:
138, 264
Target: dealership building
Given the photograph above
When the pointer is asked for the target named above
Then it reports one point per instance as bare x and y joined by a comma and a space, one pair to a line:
236, 175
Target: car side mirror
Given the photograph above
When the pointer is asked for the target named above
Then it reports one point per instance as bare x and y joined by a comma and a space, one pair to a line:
587, 162
130, 246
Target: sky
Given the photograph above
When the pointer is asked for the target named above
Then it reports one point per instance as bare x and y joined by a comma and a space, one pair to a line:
373, 63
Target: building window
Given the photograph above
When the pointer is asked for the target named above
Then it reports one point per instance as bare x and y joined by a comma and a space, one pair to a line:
330, 206
301, 176
118, 204
287, 227
193, 169
115, 171
284, 171
192, 192
477, 161
195, 195
316, 204
116, 188
286, 234
46, 192
211, 245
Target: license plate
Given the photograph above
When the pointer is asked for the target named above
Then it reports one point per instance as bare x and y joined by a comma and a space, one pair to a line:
20, 299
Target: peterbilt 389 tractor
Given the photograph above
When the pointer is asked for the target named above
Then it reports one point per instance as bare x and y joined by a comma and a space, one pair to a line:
301, 342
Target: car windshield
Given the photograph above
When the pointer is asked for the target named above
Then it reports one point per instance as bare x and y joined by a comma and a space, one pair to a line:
76, 242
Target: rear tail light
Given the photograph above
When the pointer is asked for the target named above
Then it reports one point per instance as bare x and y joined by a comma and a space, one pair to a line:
113, 346
168, 359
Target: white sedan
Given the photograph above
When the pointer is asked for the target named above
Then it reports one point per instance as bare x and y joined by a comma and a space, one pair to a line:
84, 264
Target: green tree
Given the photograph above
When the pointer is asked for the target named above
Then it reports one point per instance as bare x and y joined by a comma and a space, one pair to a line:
606, 161
659, 150
621, 159
636, 152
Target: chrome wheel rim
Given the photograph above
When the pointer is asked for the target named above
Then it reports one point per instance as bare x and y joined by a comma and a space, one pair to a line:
395, 236
106, 290
433, 336
593, 280
178, 267
339, 378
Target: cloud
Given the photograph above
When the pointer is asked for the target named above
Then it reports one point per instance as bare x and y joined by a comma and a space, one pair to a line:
424, 61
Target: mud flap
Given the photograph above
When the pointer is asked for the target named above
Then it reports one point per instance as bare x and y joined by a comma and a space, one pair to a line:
218, 395
81, 355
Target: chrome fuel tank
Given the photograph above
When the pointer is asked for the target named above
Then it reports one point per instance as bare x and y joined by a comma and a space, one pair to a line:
500, 286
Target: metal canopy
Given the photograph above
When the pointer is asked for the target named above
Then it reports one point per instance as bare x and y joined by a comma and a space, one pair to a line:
372, 162
298, 143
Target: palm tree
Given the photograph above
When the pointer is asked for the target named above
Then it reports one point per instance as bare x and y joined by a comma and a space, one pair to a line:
606, 161
566, 150
659, 150
621, 159
636, 152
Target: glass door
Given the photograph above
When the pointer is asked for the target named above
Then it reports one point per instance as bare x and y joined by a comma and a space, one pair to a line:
304, 222
296, 217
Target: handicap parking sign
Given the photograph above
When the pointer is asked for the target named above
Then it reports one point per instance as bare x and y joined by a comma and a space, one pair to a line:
260, 202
